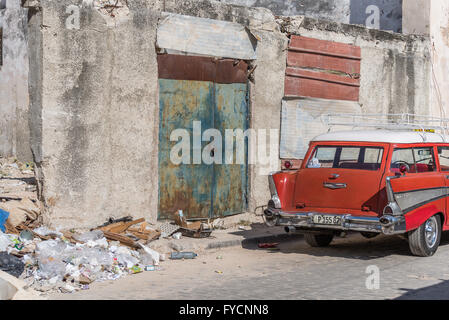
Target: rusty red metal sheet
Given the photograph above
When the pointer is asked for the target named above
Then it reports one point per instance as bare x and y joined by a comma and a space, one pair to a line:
322, 69
323, 47
180, 67
302, 87
323, 76
312, 60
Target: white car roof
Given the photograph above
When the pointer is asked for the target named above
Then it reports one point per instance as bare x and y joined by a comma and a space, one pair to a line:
386, 136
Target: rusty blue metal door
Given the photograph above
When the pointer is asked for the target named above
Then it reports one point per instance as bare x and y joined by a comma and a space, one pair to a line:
230, 180
199, 89
184, 187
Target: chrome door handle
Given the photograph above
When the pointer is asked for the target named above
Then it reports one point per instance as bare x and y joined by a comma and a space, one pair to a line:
334, 186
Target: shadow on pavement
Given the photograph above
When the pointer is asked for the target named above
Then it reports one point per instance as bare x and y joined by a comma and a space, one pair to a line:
353, 246
438, 291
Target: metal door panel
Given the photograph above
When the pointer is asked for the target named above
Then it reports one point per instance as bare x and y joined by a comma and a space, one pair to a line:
185, 186
230, 180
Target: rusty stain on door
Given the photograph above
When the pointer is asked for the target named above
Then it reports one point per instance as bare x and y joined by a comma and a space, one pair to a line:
213, 92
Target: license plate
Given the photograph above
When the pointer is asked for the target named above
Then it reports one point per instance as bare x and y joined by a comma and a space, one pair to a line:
326, 219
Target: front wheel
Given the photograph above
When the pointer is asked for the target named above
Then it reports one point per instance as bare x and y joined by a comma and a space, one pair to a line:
425, 240
318, 240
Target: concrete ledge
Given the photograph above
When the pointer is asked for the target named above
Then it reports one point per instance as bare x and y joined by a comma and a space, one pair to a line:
12, 288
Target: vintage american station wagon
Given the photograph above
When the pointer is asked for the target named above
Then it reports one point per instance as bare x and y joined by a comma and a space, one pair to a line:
373, 182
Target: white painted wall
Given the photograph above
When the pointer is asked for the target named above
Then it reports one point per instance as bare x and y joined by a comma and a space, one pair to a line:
439, 37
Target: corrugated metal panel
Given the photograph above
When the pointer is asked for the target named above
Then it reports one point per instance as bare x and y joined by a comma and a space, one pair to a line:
179, 67
301, 122
322, 69
205, 36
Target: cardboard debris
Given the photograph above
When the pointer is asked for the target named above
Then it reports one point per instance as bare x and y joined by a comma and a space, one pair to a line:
195, 229
183, 223
16, 215
20, 212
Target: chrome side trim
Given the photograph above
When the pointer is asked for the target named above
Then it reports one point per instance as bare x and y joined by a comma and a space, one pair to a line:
392, 204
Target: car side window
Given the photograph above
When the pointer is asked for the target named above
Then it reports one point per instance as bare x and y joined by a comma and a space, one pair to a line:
403, 157
416, 160
443, 156
424, 159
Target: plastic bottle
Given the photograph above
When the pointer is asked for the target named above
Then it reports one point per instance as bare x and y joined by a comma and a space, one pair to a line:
183, 255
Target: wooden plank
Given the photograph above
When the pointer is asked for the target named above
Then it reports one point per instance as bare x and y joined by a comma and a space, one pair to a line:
149, 235
123, 239
120, 227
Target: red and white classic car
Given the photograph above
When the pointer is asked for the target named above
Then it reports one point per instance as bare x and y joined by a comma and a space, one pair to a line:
372, 181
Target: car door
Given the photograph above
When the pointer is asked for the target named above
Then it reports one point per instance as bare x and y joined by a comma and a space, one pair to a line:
443, 159
421, 185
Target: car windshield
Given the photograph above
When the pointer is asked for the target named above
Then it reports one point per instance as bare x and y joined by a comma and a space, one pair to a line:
346, 157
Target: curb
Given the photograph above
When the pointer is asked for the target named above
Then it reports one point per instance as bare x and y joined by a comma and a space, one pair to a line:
254, 240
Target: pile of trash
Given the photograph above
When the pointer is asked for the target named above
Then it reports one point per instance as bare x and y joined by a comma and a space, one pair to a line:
71, 262
48, 260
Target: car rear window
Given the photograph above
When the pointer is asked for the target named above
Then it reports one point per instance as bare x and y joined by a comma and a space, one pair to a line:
359, 158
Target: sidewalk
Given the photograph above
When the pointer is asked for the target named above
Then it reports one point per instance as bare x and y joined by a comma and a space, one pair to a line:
233, 236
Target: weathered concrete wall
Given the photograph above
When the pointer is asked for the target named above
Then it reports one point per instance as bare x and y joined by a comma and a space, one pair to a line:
97, 144
431, 18
377, 14
395, 69
334, 10
14, 101
416, 17
439, 35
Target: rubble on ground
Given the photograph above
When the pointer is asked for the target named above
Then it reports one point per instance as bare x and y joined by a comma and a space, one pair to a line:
49, 260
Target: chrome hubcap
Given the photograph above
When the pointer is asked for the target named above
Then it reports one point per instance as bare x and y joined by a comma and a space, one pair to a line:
431, 232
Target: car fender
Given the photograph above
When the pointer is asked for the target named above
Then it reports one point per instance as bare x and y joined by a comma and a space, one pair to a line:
417, 217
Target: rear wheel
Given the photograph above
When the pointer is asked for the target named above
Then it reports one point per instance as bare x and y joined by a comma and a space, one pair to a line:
318, 240
425, 240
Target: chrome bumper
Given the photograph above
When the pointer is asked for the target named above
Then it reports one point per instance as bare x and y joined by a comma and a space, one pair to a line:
303, 221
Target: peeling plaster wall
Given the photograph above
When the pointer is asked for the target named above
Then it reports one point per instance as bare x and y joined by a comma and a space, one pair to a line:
377, 14
439, 35
14, 101
96, 107
431, 18
416, 16
334, 10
